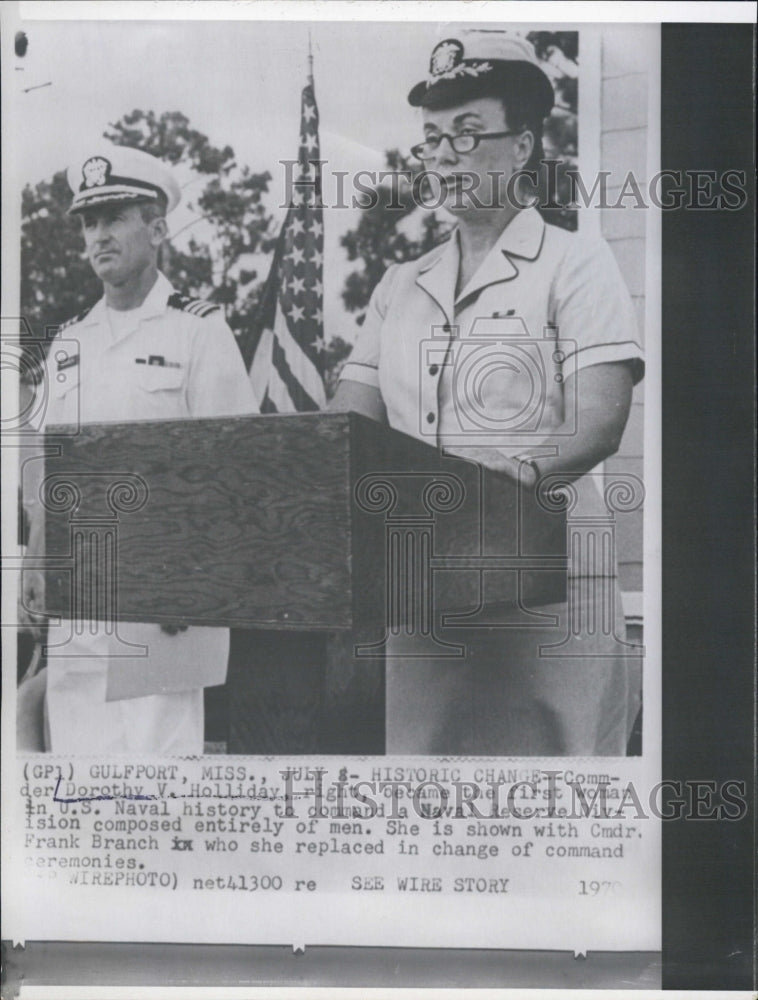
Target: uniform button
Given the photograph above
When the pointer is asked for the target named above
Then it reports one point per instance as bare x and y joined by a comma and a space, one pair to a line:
433, 369
430, 418
446, 328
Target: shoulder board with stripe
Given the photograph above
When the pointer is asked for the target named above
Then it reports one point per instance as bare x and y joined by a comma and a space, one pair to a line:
198, 307
78, 318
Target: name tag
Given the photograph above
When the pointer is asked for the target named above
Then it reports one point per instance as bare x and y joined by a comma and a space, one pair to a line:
158, 360
68, 362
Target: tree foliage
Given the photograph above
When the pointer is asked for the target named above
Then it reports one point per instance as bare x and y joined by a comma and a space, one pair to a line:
381, 238
337, 352
230, 203
56, 279
230, 224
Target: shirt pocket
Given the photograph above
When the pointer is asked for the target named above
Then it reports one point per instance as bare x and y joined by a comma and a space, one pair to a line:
160, 378
159, 393
64, 399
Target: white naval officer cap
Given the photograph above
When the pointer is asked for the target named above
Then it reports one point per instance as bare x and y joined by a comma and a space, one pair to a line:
474, 62
120, 173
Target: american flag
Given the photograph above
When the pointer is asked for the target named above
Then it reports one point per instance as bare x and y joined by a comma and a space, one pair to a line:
287, 366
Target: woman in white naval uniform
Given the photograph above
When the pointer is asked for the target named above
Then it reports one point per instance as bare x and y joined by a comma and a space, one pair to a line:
142, 352
483, 105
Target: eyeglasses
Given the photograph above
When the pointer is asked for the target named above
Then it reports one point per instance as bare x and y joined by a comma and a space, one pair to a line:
465, 143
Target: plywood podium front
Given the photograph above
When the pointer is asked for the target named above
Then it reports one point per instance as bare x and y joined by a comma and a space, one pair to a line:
313, 536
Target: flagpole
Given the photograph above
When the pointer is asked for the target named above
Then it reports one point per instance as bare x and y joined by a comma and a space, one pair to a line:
287, 339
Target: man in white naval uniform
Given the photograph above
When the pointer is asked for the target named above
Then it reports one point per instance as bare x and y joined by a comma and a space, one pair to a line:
144, 353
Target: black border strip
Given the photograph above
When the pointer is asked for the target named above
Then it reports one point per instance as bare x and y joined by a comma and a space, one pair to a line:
708, 499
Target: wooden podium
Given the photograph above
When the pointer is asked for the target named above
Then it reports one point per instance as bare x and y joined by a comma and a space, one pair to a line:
319, 535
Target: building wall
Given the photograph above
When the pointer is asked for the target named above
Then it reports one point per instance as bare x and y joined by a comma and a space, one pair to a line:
623, 147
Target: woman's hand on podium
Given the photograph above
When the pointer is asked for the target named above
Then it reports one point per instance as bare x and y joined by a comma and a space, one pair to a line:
520, 470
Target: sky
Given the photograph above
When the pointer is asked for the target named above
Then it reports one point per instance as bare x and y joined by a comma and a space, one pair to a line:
238, 82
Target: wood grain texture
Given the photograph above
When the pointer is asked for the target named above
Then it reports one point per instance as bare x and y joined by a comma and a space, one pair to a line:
244, 522
279, 527
488, 521
284, 522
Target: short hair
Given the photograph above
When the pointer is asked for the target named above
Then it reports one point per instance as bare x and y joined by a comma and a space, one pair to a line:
522, 115
521, 105
150, 210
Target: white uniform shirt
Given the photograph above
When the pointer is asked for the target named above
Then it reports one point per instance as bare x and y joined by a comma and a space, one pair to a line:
170, 362
171, 358
487, 368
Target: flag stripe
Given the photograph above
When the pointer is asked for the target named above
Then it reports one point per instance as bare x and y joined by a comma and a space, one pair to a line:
278, 393
297, 393
300, 365
267, 405
261, 366
286, 358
